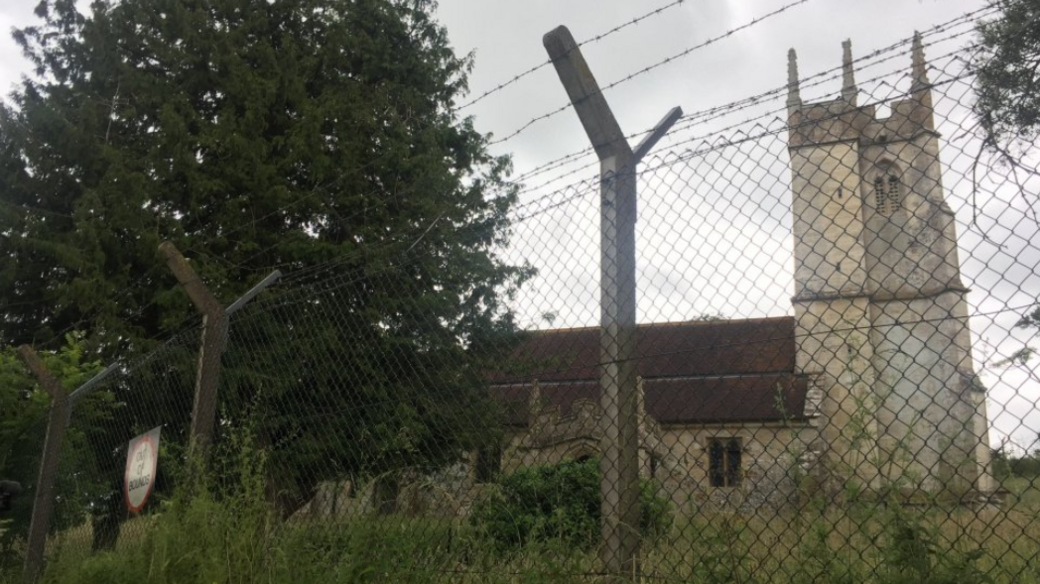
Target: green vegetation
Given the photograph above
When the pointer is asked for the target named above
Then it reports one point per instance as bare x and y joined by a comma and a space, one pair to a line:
1019, 475
558, 503
251, 134
239, 540
224, 530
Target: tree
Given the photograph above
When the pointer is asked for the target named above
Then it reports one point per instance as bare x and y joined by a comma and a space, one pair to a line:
1008, 66
317, 136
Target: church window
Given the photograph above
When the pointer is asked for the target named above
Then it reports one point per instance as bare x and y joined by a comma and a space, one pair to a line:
888, 193
894, 195
880, 199
724, 462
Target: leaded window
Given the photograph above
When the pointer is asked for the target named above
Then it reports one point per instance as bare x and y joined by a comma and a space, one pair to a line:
724, 462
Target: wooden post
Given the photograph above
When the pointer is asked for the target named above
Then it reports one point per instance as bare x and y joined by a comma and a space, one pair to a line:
204, 410
619, 461
43, 498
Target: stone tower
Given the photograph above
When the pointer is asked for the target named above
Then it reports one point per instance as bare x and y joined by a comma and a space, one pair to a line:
882, 320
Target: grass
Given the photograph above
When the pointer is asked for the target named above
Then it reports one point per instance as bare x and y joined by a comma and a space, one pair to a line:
198, 538
202, 540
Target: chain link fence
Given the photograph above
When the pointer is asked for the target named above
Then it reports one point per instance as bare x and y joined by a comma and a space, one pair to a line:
832, 375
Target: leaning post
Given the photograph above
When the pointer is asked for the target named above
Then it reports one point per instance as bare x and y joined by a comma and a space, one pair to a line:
619, 462
43, 498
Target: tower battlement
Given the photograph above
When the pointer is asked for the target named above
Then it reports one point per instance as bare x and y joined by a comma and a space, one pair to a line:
844, 120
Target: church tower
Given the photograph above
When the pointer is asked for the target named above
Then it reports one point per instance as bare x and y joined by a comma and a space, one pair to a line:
881, 312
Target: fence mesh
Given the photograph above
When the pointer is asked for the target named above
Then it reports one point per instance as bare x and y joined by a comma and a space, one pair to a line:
832, 364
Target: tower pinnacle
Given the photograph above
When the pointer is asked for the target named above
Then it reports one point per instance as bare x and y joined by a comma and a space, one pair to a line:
848, 87
794, 96
920, 70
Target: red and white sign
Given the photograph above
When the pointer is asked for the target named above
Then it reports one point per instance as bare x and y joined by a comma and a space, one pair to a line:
142, 459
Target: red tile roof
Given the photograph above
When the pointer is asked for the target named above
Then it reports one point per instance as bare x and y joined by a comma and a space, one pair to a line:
759, 398
764, 345
694, 372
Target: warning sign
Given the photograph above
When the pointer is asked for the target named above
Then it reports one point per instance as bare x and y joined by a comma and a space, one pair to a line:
142, 458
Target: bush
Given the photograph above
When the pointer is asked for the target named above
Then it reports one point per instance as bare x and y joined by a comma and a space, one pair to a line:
558, 503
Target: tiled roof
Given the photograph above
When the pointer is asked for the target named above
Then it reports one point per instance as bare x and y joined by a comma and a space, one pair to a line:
758, 398
764, 345
696, 372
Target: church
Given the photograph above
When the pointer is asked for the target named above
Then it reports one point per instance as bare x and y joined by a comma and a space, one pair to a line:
871, 382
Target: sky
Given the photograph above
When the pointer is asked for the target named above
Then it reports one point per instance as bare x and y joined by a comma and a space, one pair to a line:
714, 233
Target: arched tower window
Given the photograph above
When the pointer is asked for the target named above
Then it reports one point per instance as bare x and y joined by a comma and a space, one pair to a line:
888, 191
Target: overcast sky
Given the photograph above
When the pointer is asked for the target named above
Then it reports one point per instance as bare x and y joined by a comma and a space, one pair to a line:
715, 231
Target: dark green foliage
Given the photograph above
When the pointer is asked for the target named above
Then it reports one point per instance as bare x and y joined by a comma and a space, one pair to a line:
1008, 105
558, 503
1024, 466
221, 529
1007, 465
252, 134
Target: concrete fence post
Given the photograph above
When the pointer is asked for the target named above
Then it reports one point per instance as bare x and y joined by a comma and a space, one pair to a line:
204, 409
43, 498
214, 338
619, 461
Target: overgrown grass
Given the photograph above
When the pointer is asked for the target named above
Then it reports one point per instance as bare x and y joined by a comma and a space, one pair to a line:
205, 541
229, 535
201, 540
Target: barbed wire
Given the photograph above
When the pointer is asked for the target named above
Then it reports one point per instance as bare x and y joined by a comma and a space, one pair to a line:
589, 186
520, 76
811, 81
673, 137
652, 67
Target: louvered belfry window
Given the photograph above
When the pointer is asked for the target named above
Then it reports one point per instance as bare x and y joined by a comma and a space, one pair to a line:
888, 194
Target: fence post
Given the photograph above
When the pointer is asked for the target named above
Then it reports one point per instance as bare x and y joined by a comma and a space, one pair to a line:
43, 498
204, 409
619, 462
214, 338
